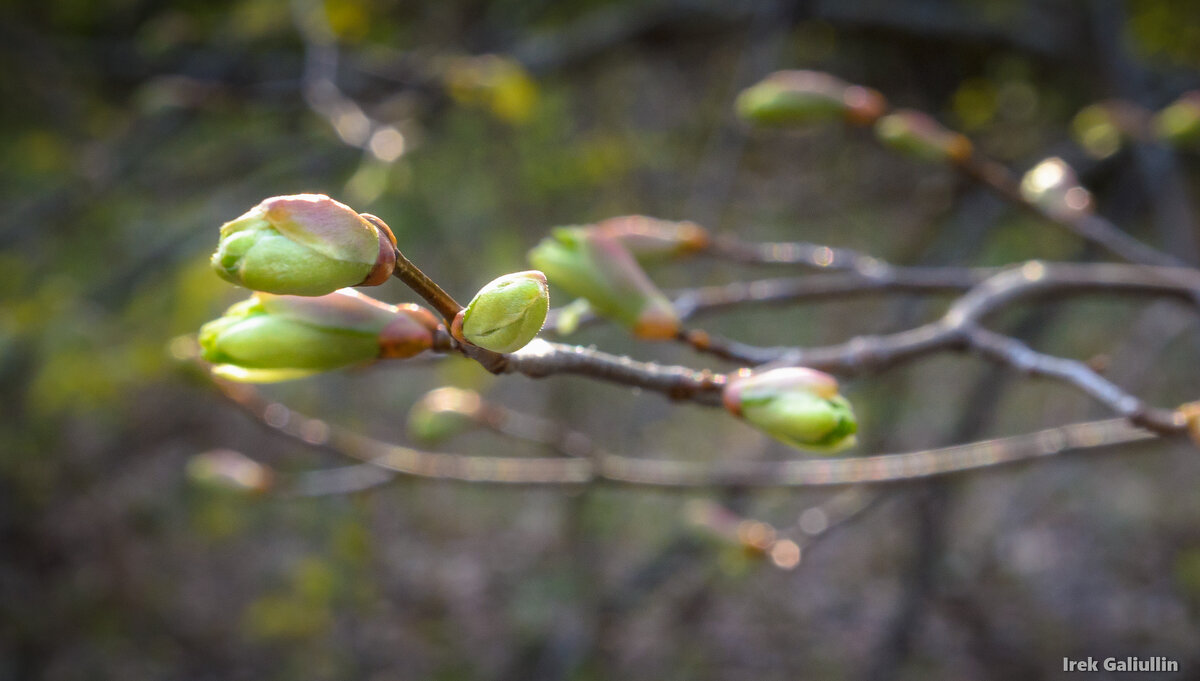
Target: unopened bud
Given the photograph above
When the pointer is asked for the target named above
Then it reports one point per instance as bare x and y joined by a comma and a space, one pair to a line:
651, 239
795, 405
787, 98
919, 135
599, 268
506, 314
272, 338
229, 470
1179, 123
442, 414
1053, 186
307, 245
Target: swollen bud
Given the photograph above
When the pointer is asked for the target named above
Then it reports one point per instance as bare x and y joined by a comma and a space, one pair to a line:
787, 98
1179, 123
305, 245
797, 406
648, 238
919, 135
275, 338
598, 267
1053, 186
442, 414
506, 314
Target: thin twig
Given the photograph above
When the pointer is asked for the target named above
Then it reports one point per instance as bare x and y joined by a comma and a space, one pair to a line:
610, 468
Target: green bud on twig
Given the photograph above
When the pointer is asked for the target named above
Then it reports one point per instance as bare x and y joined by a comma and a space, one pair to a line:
787, 98
273, 338
1179, 123
591, 265
1053, 186
919, 135
306, 245
506, 314
648, 238
442, 414
795, 405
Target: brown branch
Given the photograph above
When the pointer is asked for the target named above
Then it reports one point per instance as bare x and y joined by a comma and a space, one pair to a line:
1089, 226
613, 469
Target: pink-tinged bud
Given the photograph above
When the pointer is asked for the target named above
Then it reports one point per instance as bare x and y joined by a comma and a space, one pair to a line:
795, 405
919, 135
271, 338
229, 470
599, 268
1179, 123
1053, 186
650, 238
306, 244
787, 98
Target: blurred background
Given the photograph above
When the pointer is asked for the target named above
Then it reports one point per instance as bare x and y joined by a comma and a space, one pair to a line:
133, 128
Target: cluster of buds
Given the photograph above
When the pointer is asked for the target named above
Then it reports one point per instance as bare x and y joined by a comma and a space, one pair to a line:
919, 135
597, 266
798, 406
1053, 186
787, 98
273, 337
304, 245
506, 314
1179, 123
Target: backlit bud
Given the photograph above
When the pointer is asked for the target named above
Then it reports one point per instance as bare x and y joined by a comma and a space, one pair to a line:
230, 470
798, 406
650, 238
1179, 123
1053, 186
506, 314
787, 98
442, 414
306, 245
919, 135
273, 338
597, 267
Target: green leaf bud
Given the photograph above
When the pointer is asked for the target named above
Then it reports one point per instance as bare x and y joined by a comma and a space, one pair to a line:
1053, 186
506, 314
595, 266
797, 406
920, 136
648, 238
442, 414
272, 338
306, 245
1179, 123
787, 98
